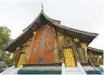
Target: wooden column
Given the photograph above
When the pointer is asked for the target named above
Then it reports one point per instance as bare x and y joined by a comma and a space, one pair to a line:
60, 37
84, 46
98, 59
28, 43
75, 52
21, 59
80, 51
16, 56
29, 51
56, 43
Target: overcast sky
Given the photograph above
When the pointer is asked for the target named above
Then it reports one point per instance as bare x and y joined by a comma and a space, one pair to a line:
85, 15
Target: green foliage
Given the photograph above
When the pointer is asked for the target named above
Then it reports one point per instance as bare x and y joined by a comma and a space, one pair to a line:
8, 61
4, 41
4, 37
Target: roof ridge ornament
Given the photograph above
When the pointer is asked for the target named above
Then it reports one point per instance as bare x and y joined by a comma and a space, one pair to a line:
42, 7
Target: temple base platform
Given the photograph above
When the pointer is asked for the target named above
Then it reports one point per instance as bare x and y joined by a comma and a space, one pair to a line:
41, 69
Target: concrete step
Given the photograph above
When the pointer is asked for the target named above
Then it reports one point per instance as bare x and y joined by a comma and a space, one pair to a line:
73, 73
72, 69
78, 70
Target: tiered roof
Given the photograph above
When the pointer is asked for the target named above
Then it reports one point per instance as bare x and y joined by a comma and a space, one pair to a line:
95, 50
43, 19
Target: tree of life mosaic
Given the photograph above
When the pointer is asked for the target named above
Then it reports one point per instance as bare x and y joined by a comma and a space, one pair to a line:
42, 49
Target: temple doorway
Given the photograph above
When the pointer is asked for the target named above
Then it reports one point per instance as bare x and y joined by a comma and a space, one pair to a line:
69, 58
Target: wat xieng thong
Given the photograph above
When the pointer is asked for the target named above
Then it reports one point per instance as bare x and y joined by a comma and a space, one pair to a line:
47, 47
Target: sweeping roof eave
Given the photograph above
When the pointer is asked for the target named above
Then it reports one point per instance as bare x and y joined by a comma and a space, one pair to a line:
86, 36
42, 13
95, 49
27, 29
82, 35
76, 30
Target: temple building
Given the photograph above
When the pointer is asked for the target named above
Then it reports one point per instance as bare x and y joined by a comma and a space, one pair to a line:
46, 47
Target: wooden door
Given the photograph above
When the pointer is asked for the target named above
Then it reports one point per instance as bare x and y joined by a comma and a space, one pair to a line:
69, 58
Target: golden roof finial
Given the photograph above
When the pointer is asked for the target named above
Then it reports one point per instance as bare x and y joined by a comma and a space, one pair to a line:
42, 6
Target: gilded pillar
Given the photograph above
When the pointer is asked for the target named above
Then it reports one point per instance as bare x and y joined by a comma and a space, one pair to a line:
29, 51
84, 46
98, 59
80, 50
55, 45
16, 56
60, 37
75, 52
28, 43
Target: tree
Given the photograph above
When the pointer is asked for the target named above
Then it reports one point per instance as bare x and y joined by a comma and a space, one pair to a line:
4, 41
4, 38
8, 60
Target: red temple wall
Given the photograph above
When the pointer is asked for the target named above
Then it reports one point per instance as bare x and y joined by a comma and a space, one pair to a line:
42, 48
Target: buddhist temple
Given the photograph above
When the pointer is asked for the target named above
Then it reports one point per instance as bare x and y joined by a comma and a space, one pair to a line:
47, 47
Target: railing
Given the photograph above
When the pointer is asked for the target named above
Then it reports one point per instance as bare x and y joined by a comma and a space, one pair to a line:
96, 68
11, 70
8, 70
63, 69
81, 68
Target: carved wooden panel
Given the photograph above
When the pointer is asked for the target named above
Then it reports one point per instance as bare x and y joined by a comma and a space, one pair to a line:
67, 42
